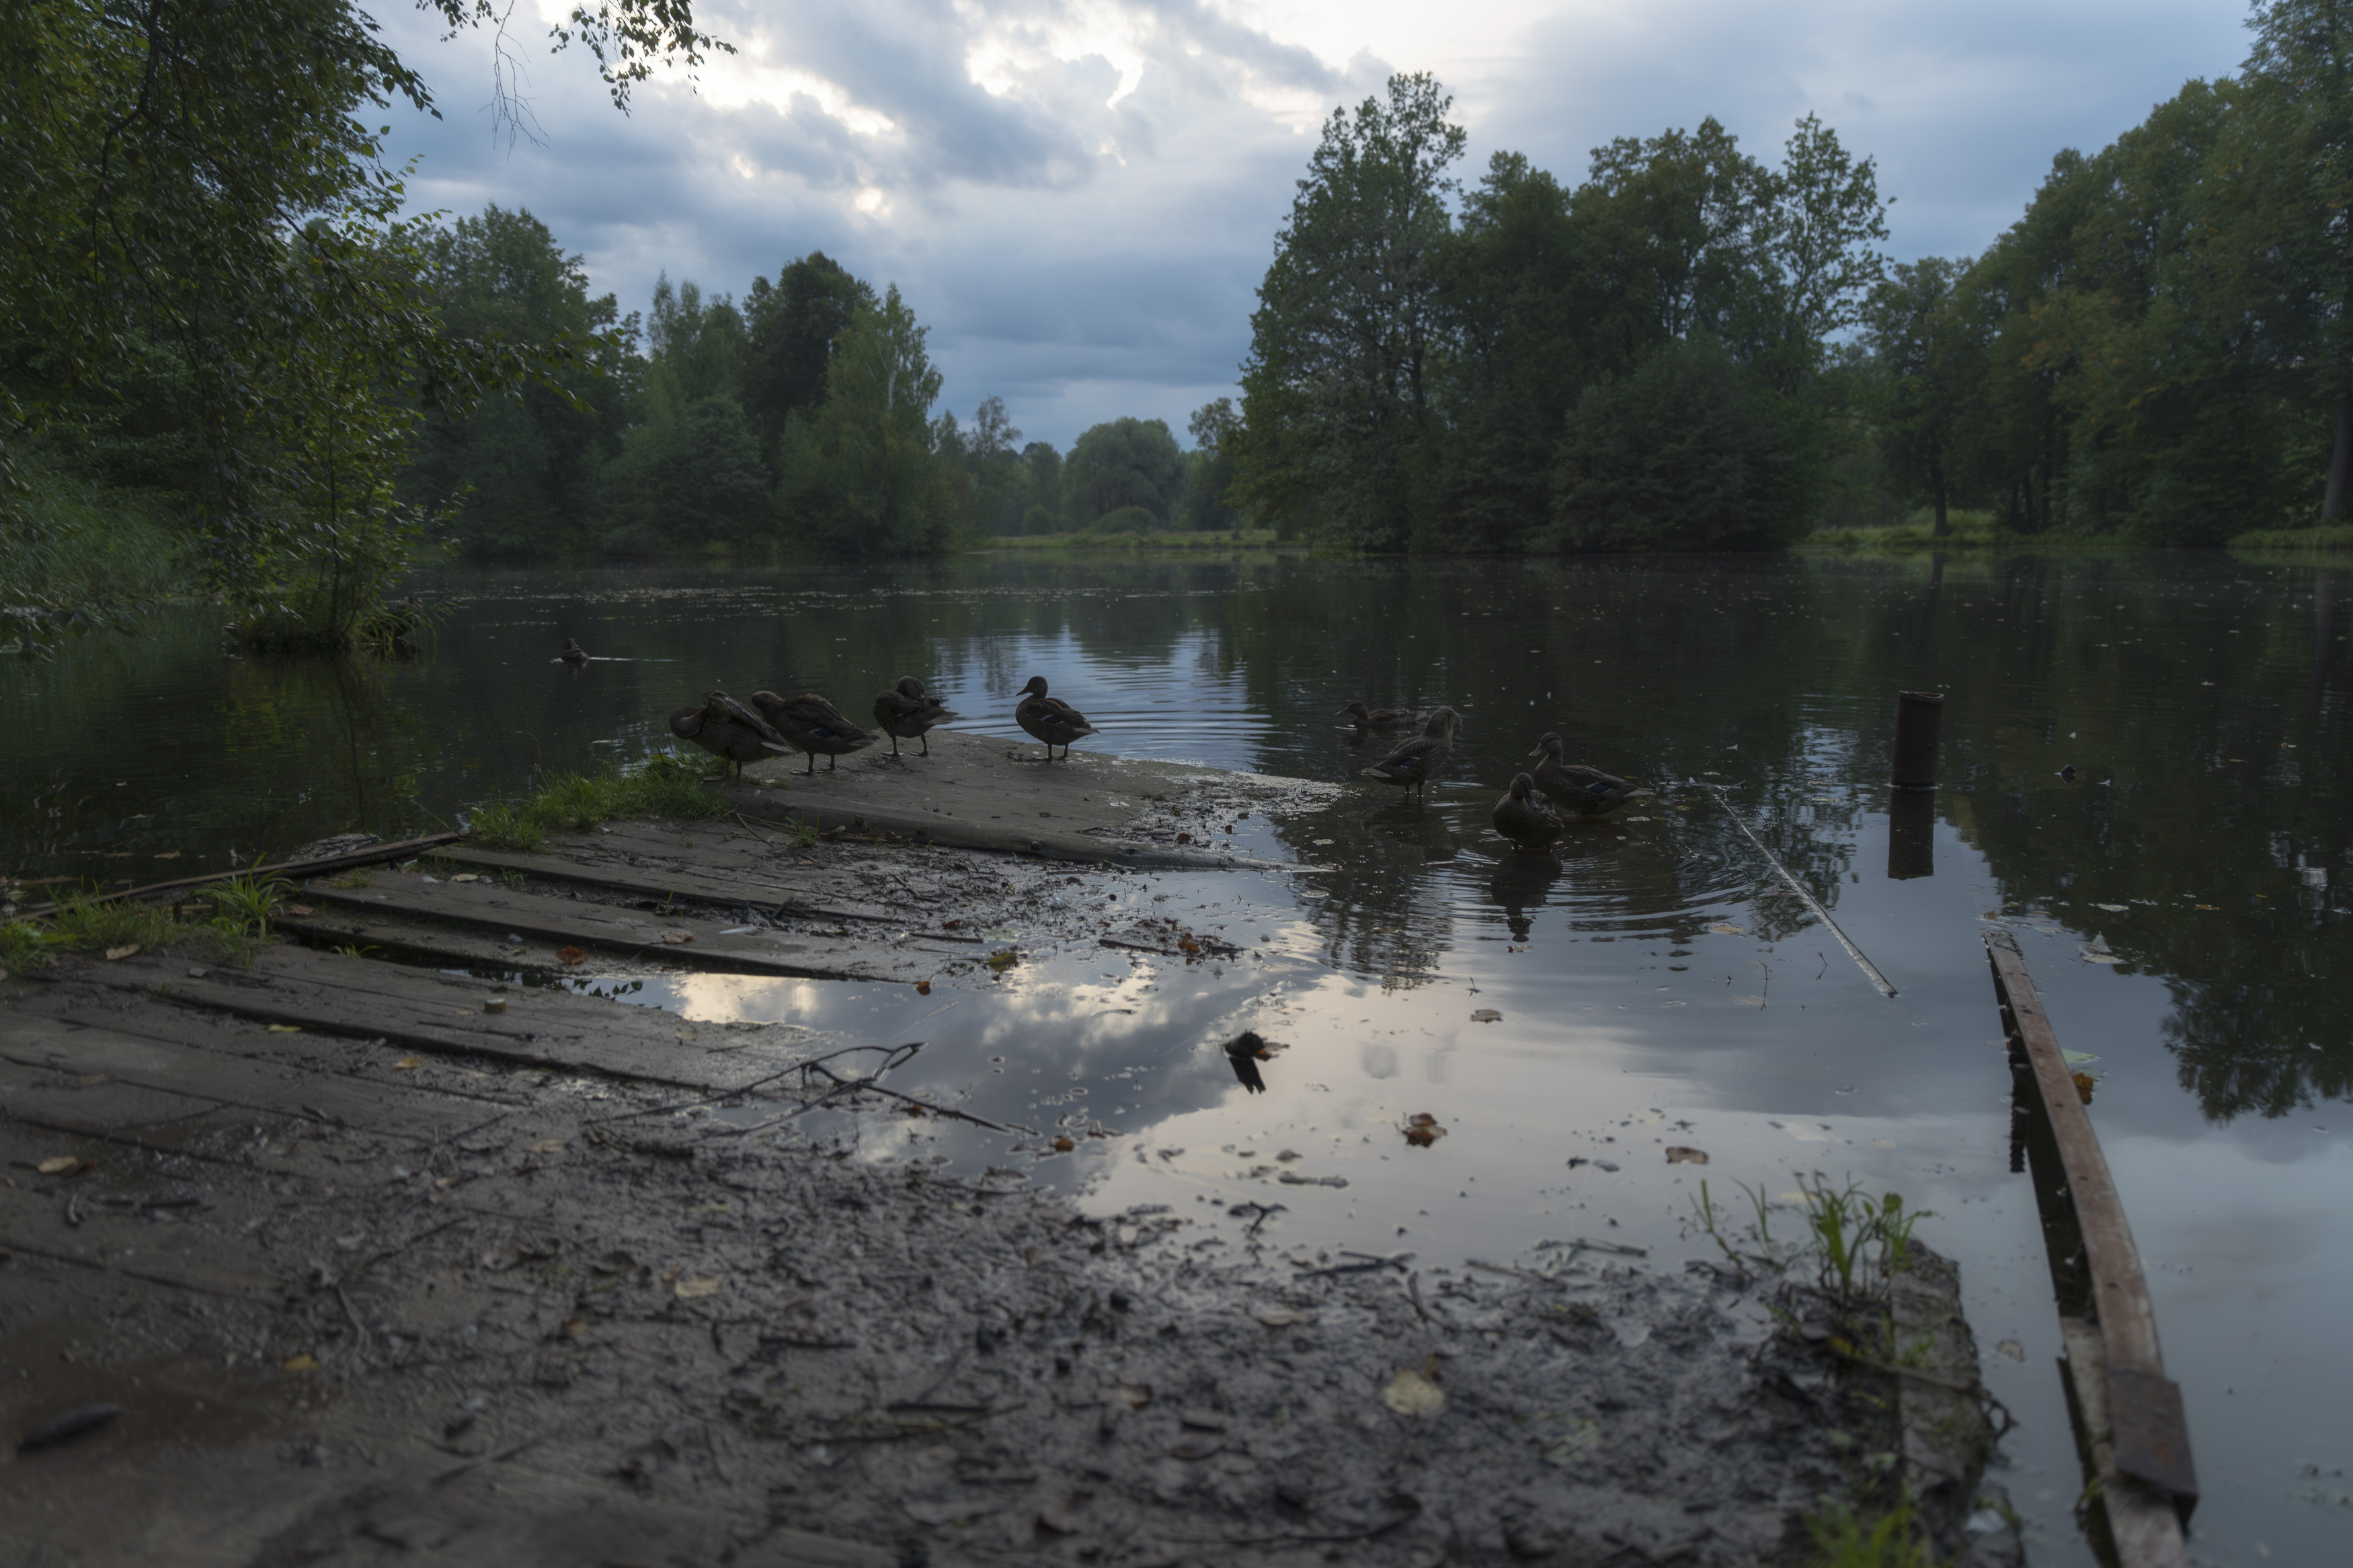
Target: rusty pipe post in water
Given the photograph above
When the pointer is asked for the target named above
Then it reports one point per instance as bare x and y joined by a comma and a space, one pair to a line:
1911, 836
1919, 715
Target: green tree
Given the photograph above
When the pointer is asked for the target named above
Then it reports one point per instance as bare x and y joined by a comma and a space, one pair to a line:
862, 476
1925, 361
1122, 463
790, 327
1338, 390
1041, 488
1209, 467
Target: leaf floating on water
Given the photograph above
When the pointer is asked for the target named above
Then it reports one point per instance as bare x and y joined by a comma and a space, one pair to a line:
2083, 1085
1486, 1015
1411, 1393
570, 954
306, 1361
695, 1290
1064, 1145
116, 952
1725, 928
1750, 1001
58, 1165
923, 988
1683, 1154
1003, 959
2113, 908
2074, 1058
1421, 1130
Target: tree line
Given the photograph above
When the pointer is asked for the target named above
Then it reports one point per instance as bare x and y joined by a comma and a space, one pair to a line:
802, 415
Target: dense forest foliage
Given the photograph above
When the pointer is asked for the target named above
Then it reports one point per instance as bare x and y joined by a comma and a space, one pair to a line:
232, 358
801, 416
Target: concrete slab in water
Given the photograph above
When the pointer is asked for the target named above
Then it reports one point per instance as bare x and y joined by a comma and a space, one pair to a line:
985, 793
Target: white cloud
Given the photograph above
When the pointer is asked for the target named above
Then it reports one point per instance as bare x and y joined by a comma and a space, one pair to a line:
1079, 195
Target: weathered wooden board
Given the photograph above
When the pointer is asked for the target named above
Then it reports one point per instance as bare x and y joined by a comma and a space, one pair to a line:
653, 875
34, 1220
422, 1011
693, 942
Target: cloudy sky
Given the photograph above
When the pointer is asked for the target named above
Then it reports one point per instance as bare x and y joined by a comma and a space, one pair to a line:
1079, 196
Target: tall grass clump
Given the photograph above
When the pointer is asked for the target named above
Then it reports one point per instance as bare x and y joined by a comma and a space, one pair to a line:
664, 785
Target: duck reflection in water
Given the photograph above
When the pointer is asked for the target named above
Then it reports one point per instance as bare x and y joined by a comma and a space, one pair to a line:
1419, 826
1521, 883
1244, 1052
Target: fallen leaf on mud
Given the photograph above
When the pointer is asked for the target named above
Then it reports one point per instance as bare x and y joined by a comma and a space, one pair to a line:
115, 952
570, 954
1003, 959
1683, 1154
306, 1361
495, 1004
574, 1328
1063, 1517
613, 1263
1421, 1130
1282, 1320
1064, 1145
169, 855
300, 909
1411, 1393
1198, 1445
675, 937
547, 1146
58, 1165
923, 988
1575, 1442
285, 1029
1129, 1395
408, 1064
465, 876
2083, 1084
1725, 928
693, 1290
1486, 1015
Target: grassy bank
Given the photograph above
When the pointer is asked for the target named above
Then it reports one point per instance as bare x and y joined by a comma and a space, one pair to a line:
665, 785
1905, 538
2296, 540
76, 556
1236, 539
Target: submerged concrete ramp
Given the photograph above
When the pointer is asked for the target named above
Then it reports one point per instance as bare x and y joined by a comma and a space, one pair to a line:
981, 794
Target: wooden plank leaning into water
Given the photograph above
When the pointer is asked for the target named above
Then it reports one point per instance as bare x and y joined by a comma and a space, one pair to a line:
2132, 1426
1870, 970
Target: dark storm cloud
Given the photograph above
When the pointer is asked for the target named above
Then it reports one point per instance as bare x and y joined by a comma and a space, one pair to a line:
1087, 252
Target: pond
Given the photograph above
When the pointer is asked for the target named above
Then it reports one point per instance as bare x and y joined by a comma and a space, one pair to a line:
2144, 779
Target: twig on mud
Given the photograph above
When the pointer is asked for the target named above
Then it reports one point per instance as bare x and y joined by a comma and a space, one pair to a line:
870, 1085
501, 1457
399, 1248
1367, 1264
1413, 1294
1373, 1534
911, 1048
920, 1428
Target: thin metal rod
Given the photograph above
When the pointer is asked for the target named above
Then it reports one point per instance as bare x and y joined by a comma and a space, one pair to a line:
1821, 914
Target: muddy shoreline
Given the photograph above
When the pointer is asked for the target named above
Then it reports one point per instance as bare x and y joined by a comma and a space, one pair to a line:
377, 1273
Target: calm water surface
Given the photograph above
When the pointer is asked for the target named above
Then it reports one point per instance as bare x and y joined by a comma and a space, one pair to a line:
2203, 839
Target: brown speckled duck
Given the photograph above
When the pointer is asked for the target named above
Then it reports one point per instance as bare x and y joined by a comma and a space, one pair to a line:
1410, 764
908, 712
1050, 719
1380, 718
1526, 821
1577, 789
573, 654
813, 724
728, 731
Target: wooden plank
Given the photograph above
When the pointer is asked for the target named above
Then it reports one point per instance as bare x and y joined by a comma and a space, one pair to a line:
424, 1011
762, 889
638, 934
2130, 1355
2142, 1523
214, 1077
375, 854
190, 1257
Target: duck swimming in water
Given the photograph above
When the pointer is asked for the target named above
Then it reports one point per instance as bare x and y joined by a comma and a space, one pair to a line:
728, 731
573, 654
1380, 718
1050, 719
813, 724
908, 712
1524, 819
1574, 787
1410, 764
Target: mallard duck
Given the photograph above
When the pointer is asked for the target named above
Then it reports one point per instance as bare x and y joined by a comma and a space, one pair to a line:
1587, 792
1050, 719
813, 724
908, 712
1380, 718
728, 731
573, 654
1524, 819
1412, 764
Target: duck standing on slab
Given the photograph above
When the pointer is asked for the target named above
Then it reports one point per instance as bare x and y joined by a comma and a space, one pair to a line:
1410, 766
728, 731
1050, 719
1577, 789
908, 712
1526, 820
813, 724
1381, 717
573, 654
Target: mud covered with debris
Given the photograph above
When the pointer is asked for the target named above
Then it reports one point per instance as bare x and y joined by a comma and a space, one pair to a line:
714, 1339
